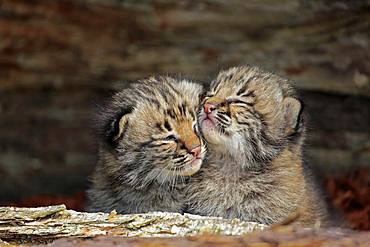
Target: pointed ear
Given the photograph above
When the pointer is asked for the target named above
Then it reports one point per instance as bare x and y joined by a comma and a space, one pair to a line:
292, 110
117, 126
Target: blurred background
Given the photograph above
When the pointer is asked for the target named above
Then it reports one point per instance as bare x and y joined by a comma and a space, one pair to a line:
59, 59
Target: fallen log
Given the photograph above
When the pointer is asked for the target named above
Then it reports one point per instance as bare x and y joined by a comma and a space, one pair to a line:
284, 236
57, 226
45, 224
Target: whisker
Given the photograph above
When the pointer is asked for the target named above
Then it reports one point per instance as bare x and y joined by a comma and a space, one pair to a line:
174, 181
165, 179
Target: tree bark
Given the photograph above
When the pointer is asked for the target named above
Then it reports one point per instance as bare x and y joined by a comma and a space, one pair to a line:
283, 236
321, 45
45, 224
30, 226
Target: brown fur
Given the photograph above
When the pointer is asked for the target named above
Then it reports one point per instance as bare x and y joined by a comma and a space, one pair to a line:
254, 170
148, 138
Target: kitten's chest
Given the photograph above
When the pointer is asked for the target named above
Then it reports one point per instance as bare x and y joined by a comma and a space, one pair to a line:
225, 187
229, 193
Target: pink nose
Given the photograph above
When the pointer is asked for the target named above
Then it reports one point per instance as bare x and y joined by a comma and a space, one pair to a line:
196, 151
208, 107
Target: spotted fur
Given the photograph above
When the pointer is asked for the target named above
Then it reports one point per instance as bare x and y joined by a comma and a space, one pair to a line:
149, 146
253, 170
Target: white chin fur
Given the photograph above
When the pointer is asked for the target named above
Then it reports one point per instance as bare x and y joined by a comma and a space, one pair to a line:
164, 175
222, 144
192, 168
210, 133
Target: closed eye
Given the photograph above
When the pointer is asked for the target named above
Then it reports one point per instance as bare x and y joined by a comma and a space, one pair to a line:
170, 138
207, 96
239, 102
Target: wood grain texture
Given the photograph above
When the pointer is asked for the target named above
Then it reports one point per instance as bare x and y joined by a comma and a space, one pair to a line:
59, 59
56, 226
321, 46
45, 224
279, 237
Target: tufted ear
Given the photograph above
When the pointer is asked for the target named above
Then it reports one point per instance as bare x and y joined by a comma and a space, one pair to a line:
292, 110
116, 127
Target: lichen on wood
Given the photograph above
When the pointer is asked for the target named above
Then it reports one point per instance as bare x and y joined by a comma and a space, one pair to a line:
44, 224
28, 226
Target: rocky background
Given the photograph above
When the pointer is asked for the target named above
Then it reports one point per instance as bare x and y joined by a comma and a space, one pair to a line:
59, 59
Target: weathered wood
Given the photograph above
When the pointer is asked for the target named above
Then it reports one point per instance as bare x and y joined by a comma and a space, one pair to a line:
30, 226
33, 225
283, 236
338, 136
321, 45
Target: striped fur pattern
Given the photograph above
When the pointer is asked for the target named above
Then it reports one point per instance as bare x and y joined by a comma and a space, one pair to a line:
149, 147
254, 128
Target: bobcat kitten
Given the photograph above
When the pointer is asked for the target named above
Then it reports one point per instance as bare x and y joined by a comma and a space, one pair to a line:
252, 123
149, 145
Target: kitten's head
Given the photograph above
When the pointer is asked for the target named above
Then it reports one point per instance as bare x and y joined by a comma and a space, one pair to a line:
250, 115
151, 130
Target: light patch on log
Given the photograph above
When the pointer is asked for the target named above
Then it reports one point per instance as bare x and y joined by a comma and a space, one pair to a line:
44, 224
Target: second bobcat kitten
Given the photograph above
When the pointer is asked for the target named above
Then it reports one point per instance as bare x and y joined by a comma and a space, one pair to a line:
252, 123
148, 146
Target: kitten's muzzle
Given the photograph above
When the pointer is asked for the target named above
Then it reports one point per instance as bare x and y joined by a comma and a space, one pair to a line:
194, 165
209, 108
196, 151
